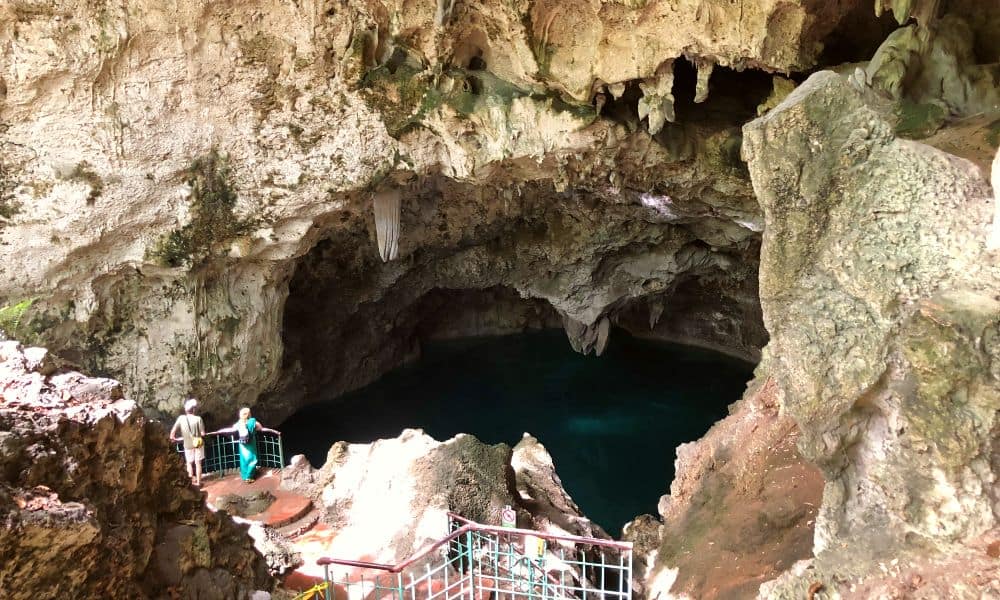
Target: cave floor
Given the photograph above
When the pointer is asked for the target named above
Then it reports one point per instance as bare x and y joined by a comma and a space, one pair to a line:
293, 515
287, 508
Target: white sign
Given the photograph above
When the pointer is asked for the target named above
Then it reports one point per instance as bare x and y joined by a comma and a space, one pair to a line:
508, 518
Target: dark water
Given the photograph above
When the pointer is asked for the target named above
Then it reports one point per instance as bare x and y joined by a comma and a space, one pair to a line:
611, 423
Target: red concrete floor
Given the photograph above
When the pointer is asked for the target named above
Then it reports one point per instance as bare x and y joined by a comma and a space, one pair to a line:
287, 507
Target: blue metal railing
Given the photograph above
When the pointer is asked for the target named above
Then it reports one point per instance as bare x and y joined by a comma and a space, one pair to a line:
222, 452
484, 562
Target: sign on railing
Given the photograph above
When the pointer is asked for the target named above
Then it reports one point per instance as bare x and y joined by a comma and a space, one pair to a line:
483, 562
222, 452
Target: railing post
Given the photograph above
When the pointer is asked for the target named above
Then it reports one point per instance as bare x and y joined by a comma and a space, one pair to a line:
630, 574
399, 585
326, 578
472, 565
281, 453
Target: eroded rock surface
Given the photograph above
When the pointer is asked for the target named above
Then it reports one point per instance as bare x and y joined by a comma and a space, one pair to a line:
190, 160
881, 300
390, 498
95, 502
741, 508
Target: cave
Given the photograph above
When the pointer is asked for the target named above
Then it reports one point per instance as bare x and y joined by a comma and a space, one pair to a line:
459, 334
361, 218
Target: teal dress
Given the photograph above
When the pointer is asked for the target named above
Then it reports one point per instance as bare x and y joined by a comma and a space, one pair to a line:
248, 451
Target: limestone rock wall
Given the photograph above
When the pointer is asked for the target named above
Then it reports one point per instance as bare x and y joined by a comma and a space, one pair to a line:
165, 171
740, 511
880, 297
94, 501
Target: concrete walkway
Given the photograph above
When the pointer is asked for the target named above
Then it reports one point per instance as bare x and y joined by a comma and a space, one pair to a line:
294, 516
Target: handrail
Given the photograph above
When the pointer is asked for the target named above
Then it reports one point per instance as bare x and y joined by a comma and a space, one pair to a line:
222, 452
548, 536
396, 568
470, 526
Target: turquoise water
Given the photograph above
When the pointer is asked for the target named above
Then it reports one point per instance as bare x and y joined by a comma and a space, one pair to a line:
611, 423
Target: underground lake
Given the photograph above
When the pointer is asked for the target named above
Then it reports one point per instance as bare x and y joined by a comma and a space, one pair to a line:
611, 423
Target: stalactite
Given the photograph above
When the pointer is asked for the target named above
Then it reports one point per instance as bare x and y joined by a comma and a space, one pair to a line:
603, 333
443, 14
924, 11
584, 338
655, 312
705, 69
386, 206
657, 100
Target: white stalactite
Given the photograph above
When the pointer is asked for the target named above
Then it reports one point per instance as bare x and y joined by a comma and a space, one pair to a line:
704, 74
603, 333
657, 100
386, 206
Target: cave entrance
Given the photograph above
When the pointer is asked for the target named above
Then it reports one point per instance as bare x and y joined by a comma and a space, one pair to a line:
373, 347
612, 424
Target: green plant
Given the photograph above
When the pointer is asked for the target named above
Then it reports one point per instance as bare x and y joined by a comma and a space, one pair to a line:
11, 315
213, 221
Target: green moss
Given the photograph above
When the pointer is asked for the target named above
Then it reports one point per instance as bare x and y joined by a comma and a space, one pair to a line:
11, 316
229, 326
213, 223
585, 112
993, 137
402, 96
918, 121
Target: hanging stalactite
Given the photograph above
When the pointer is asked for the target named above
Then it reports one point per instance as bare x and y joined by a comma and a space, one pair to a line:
386, 206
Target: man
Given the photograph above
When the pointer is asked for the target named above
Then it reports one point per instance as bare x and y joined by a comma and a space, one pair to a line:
192, 430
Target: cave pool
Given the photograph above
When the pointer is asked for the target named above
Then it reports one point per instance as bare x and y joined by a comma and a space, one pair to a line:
611, 423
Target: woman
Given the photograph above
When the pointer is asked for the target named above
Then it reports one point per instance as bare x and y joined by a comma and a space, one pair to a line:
247, 428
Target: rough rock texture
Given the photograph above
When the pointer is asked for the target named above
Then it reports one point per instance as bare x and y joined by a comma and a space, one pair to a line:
506, 127
541, 494
741, 508
94, 502
390, 498
881, 301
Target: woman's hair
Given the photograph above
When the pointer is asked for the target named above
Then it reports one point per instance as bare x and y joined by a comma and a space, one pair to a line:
245, 412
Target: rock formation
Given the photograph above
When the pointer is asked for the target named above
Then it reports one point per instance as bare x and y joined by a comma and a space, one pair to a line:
880, 298
267, 203
390, 498
95, 502
741, 508
196, 163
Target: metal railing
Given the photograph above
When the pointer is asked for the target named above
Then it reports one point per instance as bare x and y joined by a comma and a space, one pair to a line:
483, 562
222, 452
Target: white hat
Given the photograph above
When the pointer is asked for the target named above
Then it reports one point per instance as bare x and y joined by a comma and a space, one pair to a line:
189, 404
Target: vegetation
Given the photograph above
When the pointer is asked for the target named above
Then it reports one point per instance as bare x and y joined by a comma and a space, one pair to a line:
11, 316
213, 223
404, 95
85, 172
